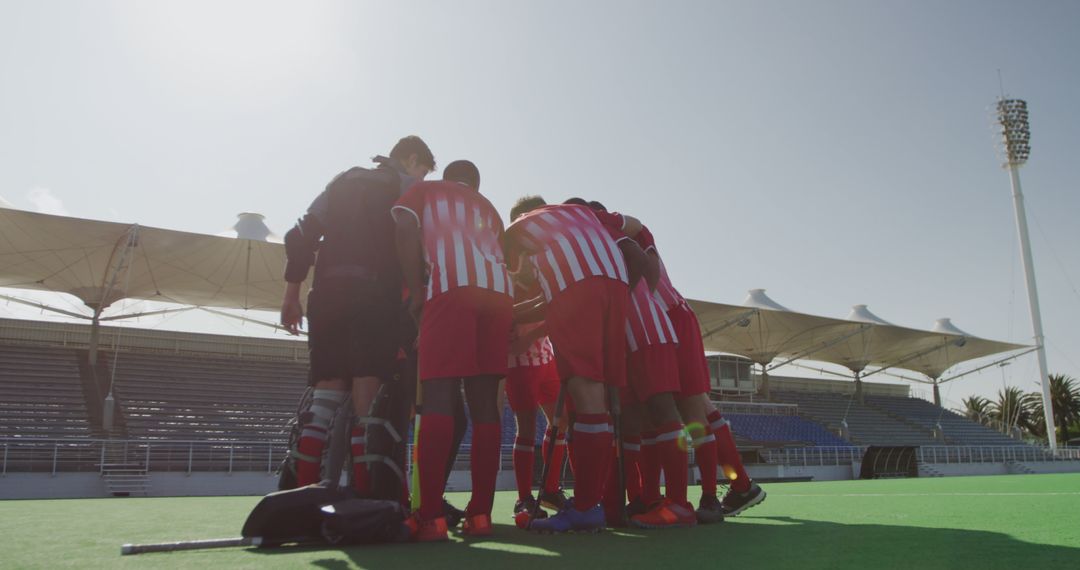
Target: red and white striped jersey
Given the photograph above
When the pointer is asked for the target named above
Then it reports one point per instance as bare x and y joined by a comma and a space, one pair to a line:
665, 293
647, 322
539, 352
461, 232
566, 244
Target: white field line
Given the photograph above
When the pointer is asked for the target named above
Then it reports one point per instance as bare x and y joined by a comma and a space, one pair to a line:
1047, 494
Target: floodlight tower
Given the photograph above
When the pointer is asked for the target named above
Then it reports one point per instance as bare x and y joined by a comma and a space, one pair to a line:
1012, 116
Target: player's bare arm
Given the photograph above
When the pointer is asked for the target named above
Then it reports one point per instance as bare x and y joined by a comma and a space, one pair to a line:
530, 310
410, 257
637, 263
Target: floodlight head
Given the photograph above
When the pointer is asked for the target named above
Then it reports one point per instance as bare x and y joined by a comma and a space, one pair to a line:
1012, 115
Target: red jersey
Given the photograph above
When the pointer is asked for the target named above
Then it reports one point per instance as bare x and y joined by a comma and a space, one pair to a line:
665, 293
461, 232
539, 352
566, 244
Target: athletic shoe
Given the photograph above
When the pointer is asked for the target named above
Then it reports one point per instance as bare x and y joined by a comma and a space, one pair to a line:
527, 505
571, 519
636, 507
709, 510
736, 502
555, 501
666, 514
453, 514
477, 525
433, 530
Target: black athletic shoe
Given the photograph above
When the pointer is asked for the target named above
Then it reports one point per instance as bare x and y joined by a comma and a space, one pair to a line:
527, 506
555, 501
736, 502
709, 510
453, 514
636, 507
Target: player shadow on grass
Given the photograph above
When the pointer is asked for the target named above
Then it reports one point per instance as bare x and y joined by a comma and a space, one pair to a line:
747, 542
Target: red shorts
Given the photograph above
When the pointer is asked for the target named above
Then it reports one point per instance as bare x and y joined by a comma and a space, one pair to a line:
693, 369
530, 386
465, 332
653, 369
586, 323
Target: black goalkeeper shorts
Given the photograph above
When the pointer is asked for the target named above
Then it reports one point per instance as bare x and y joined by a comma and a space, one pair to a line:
353, 332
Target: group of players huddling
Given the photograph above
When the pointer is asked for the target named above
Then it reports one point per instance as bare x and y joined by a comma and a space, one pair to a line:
568, 298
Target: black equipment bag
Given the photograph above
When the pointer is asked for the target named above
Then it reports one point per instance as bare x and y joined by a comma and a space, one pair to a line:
324, 515
364, 521
293, 515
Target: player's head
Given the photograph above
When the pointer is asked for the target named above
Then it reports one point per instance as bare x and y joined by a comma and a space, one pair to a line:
524, 205
576, 201
414, 155
597, 206
463, 171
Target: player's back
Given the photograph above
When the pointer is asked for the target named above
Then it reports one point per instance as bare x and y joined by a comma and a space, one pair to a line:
462, 235
567, 244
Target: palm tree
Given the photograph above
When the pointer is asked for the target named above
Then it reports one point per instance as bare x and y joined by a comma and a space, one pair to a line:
1012, 408
1065, 397
976, 408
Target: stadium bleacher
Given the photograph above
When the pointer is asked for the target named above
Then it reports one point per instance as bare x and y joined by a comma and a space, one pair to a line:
179, 397
775, 430
866, 425
41, 394
956, 429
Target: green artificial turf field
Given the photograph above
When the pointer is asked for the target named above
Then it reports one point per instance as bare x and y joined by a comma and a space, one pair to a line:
1030, 521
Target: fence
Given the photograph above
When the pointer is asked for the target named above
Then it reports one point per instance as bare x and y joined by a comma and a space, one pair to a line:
90, 455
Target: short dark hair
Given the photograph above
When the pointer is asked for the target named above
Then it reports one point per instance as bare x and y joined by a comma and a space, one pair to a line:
411, 145
524, 205
597, 206
463, 171
576, 201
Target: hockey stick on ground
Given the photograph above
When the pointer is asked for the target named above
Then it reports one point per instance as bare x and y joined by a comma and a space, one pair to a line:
549, 447
190, 545
620, 458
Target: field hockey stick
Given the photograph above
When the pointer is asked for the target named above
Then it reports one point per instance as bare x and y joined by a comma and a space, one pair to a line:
190, 545
620, 458
549, 447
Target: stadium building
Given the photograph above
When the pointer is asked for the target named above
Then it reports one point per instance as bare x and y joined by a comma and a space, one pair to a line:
91, 410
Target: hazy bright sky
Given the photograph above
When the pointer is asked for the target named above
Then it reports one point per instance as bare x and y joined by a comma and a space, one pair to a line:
831, 152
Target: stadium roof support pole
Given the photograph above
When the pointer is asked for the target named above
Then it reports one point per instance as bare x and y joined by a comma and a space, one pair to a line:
125, 245
858, 387
994, 363
937, 393
765, 391
1013, 118
43, 307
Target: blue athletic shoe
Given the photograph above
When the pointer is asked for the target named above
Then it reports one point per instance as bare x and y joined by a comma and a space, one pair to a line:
571, 519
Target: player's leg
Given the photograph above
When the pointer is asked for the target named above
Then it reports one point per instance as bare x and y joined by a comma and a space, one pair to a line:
744, 492
364, 390
433, 448
522, 400
482, 394
694, 414
326, 398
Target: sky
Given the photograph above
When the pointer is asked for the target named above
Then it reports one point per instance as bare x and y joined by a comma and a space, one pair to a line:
830, 152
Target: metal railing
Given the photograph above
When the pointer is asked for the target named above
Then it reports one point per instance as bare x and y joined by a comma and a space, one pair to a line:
89, 455
769, 409
18, 455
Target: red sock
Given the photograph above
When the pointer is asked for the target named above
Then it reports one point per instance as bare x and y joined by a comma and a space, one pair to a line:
671, 447
705, 458
554, 475
485, 467
433, 451
731, 464
524, 459
649, 464
591, 455
361, 479
308, 468
632, 457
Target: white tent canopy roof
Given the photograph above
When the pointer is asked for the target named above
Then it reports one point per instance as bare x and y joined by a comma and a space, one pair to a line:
763, 330
102, 262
